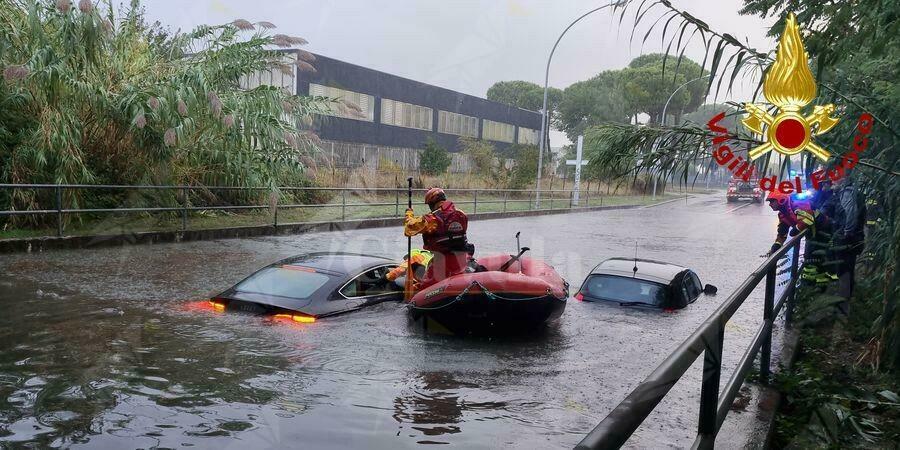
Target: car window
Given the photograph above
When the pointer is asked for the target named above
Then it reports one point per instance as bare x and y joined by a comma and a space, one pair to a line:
625, 290
284, 281
372, 282
691, 286
697, 284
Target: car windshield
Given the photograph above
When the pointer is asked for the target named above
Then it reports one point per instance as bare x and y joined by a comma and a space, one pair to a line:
284, 281
625, 290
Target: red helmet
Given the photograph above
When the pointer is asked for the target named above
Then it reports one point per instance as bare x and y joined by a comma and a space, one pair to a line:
780, 197
434, 195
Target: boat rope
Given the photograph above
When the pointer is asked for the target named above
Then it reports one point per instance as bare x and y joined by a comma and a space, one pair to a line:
487, 293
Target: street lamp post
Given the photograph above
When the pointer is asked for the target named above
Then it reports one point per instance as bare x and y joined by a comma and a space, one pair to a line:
544, 114
666, 106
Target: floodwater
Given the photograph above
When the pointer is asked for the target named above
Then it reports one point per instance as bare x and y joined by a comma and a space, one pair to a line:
113, 348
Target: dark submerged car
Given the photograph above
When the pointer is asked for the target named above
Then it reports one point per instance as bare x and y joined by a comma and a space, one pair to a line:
643, 282
310, 286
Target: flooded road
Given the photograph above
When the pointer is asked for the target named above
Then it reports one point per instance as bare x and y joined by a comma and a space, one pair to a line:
114, 348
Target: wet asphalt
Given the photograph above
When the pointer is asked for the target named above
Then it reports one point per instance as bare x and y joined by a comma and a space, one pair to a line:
114, 348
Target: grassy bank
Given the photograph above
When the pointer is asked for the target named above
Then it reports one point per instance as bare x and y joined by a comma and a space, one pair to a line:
834, 396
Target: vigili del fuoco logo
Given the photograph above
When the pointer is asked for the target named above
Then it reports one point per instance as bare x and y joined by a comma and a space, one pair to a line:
790, 87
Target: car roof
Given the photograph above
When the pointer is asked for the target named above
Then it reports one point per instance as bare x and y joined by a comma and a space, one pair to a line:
337, 262
648, 269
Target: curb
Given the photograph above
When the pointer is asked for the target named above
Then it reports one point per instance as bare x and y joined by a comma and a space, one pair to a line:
666, 202
40, 244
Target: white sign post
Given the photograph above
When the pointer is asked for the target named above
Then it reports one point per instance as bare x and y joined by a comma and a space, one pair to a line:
577, 162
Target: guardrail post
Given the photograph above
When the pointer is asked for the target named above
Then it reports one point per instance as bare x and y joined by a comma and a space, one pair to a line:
789, 307
505, 197
765, 355
397, 202
709, 392
475, 207
59, 217
343, 205
275, 214
184, 201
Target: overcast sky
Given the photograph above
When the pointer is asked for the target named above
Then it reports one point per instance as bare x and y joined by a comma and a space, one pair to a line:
466, 45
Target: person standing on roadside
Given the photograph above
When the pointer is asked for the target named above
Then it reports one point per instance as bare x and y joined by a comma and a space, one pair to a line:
848, 236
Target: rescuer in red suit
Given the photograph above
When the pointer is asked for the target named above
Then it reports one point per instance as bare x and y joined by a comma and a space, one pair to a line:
792, 214
443, 233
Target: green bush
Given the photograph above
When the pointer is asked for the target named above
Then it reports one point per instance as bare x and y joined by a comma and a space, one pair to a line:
435, 159
484, 157
525, 170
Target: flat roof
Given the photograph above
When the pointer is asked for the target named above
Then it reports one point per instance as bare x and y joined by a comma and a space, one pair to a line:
648, 269
319, 55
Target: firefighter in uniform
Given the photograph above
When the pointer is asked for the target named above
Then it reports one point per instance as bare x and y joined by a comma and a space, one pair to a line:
792, 215
443, 233
816, 251
848, 237
420, 261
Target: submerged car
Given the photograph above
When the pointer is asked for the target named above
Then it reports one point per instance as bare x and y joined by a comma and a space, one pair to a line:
643, 282
314, 285
740, 190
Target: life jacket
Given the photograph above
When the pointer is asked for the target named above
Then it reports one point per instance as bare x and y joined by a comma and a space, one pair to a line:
450, 234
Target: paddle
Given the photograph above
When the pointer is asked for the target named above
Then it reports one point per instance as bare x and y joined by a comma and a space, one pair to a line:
407, 289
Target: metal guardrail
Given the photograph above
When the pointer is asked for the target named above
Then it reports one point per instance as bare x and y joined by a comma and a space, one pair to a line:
621, 422
509, 197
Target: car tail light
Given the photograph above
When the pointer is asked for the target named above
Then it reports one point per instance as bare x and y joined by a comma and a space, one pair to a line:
579, 296
301, 318
217, 306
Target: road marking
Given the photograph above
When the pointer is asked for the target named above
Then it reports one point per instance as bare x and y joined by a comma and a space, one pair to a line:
739, 207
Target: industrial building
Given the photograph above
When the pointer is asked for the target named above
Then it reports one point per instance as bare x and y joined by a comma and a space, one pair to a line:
384, 117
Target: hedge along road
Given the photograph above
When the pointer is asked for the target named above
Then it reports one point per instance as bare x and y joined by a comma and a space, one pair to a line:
110, 347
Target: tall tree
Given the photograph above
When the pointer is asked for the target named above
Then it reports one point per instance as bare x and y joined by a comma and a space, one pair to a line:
654, 77
530, 96
524, 94
599, 99
619, 96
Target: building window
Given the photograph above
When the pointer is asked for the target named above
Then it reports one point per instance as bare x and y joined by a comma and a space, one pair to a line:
528, 136
458, 124
284, 77
350, 105
498, 131
400, 114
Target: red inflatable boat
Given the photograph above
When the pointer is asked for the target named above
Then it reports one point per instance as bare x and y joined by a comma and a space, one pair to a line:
519, 299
